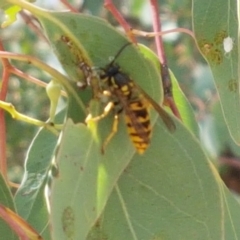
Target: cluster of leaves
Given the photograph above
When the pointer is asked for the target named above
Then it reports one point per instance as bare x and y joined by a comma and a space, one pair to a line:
173, 191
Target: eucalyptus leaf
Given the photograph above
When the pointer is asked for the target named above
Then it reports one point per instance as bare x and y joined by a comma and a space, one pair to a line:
30, 198
172, 192
218, 24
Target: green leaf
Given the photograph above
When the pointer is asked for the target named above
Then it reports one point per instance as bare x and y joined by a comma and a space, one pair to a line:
74, 193
219, 134
184, 107
30, 198
172, 192
7, 201
214, 21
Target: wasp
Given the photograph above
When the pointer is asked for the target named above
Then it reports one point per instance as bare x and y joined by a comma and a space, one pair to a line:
127, 97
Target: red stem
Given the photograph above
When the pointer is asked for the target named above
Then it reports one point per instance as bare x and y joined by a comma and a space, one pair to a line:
157, 28
3, 94
111, 8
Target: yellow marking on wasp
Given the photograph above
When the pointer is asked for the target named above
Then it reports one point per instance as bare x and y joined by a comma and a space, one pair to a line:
136, 139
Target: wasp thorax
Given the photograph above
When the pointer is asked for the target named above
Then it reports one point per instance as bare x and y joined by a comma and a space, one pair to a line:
112, 70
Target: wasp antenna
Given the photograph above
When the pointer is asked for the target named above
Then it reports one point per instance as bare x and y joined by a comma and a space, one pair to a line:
119, 52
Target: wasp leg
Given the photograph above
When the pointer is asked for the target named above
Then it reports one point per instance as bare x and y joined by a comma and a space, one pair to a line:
106, 111
112, 133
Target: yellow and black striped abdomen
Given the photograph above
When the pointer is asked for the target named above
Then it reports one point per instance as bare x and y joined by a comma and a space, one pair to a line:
138, 124
132, 102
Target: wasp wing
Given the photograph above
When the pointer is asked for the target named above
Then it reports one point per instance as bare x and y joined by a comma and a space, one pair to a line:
164, 115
